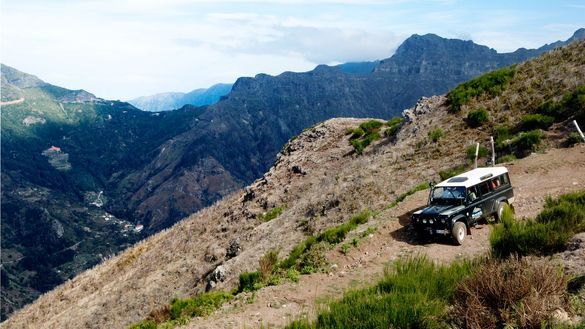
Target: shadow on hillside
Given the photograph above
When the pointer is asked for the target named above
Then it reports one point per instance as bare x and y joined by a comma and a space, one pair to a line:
407, 234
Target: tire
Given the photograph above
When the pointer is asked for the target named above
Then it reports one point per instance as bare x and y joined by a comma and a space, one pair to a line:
459, 232
499, 211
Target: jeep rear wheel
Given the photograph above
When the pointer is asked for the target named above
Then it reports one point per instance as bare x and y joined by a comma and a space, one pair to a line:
459, 232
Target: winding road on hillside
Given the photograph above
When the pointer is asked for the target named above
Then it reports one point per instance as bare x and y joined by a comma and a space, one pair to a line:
18, 101
534, 178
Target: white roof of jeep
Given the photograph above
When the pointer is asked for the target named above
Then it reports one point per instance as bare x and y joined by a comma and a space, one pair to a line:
473, 177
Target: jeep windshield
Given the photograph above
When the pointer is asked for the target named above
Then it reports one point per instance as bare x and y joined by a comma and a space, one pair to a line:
447, 195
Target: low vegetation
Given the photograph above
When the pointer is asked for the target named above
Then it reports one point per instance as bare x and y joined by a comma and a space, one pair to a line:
414, 293
477, 117
491, 84
181, 310
401, 197
535, 121
369, 131
271, 214
546, 234
510, 294
436, 134
470, 152
454, 171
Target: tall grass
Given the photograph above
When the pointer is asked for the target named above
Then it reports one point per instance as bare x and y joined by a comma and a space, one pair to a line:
414, 293
548, 233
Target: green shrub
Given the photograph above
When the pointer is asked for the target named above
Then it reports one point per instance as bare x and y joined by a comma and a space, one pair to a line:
492, 83
250, 281
314, 259
574, 138
371, 126
293, 275
527, 142
401, 197
448, 173
395, 121
414, 293
358, 146
357, 133
536, 121
330, 236
506, 158
201, 305
470, 152
394, 126
572, 104
560, 220
271, 214
477, 117
436, 134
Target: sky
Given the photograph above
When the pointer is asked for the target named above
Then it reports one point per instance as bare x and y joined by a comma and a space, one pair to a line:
121, 49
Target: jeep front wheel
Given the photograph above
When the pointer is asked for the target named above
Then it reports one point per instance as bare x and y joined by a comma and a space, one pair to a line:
459, 232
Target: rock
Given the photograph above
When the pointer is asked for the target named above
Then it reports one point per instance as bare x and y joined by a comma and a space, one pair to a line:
214, 253
233, 249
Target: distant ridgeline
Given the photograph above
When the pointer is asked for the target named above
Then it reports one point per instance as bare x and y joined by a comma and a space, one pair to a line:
83, 177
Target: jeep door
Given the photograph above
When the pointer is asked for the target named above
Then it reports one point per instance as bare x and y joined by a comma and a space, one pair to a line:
487, 200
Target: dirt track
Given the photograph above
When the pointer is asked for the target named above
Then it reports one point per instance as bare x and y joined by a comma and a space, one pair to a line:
534, 178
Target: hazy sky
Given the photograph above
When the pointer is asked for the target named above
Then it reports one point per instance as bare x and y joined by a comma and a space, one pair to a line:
120, 49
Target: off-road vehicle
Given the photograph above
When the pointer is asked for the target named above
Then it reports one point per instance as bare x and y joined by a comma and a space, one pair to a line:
458, 203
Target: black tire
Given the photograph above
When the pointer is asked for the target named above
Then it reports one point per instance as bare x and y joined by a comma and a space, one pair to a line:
459, 232
499, 211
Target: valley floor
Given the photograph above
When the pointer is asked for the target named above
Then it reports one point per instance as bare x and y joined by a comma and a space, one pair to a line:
556, 172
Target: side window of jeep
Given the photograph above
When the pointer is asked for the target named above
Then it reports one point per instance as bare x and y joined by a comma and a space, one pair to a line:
484, 188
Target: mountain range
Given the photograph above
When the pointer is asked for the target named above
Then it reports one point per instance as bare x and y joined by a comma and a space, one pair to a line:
174, 100
83, 177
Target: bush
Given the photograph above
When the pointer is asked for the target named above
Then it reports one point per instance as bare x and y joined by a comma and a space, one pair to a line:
527, 142
200, 305
436, 134
517, 293
266, 264
492, 83
394, 126
371, 126
548, 233
574, 138
271, 214
250, 281
401, 197
358, 146
470, 152
332, 235
535, 121
506, 158
356, 133
477, 117
572, 104
448, 173
314, 260
413, 294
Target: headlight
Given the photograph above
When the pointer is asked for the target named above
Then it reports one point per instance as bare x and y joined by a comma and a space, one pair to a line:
431, 221
442, 220
424, 221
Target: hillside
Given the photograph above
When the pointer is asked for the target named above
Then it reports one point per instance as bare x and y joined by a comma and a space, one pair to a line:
94, 170
319, 182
